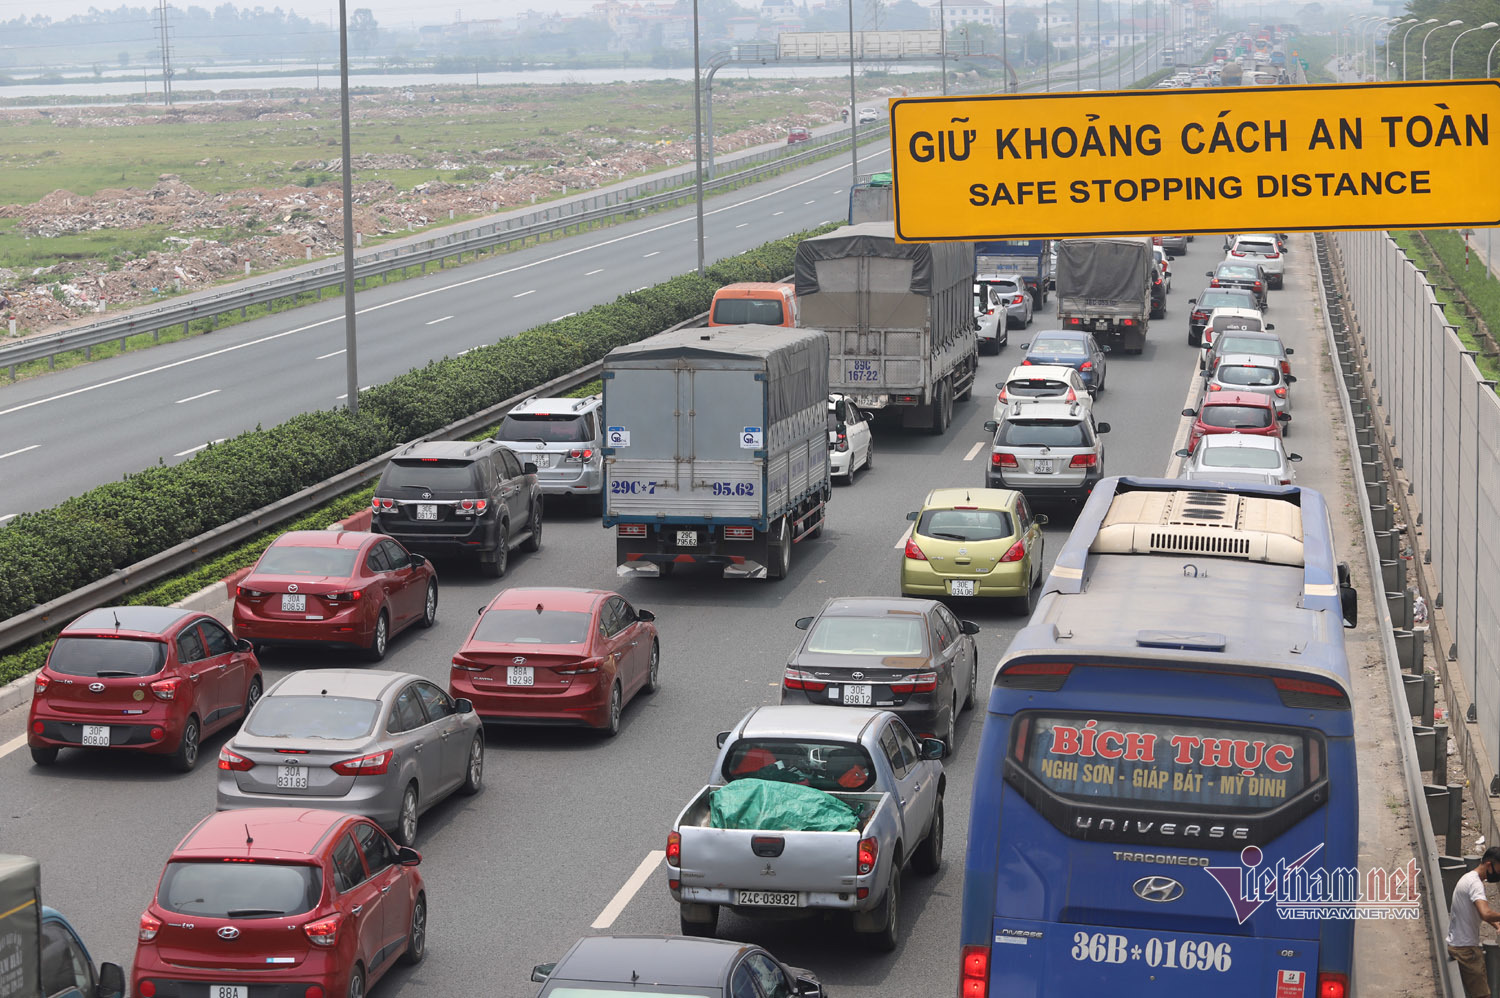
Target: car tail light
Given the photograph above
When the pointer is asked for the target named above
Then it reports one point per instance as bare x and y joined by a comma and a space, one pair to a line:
921, 682
630, 530
150, 926
1332, 985
1199, 315
974, 972
459, 662
325, 931
739, 533
1235, 253
41, 682
1281, 391
1084, 461
475, 506
1286, 481
1257, 285
1127, 322
234, 762
843, 442
582, 668
869, 850
1273, 256
250, 593
1286, 367
796, 679
147, 989
1016, 553
1001, 396
674, 848
578, 456
1087, 365
313, 991
1002, 460
376, 502
349, 596
1214, 386
1018, 299
913, 552
374, 764
1214, 283
166, 689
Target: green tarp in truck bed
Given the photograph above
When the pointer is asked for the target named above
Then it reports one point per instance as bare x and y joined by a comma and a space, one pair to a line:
767, 805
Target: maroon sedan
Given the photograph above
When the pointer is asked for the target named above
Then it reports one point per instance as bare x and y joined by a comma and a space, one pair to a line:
557, 656
152, 679
335, 587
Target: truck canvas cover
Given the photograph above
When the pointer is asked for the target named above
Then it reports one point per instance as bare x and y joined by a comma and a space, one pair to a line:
935, 266
1111, 270
20, 927
768, 805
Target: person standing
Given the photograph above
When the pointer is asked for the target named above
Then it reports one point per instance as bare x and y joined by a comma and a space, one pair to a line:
1469, 908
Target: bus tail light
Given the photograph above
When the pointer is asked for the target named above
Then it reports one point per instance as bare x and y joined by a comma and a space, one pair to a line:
1046, 677
1311, 693
974, 973
868, 851
1331, 985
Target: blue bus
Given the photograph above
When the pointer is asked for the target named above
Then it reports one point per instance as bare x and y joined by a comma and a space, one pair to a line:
1171, 726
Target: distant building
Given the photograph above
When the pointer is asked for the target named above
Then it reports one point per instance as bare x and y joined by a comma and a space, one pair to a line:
970, 12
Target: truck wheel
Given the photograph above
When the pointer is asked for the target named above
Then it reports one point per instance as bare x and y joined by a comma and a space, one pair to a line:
699, 919
940, 409
929, 857
781, 553
886, 938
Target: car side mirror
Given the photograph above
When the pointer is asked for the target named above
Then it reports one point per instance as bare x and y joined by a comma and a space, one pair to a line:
1190, 412
1348, 596
1289, 379
1208, 273
529, 468
1184, 452
1286, 350
407, 856
416, 560
542, 971
111, 981
1000, 385
1041, 519
1269, 326
1294, 458
912, 515
481, 611
1105, 348
991, 425
645, 616
968, 627
1192, 301
463, 705
243, 644
1102, 428
1284, 417
803, 623
932, 748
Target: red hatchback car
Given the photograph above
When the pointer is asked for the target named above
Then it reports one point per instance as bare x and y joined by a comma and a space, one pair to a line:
557, 656
281, 903
1250, 413
151, 679
335, 587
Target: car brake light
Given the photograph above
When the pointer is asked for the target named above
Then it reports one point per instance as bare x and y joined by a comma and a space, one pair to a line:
796, 679
1331, 985
1087, 365
249, 593
843, 443
674, 848
1214, 283
1000, 397
974, 980
583, 668
348, 596
41, 682
1127, 322
1025, 363
378, 503
324, 932
1214, 386
150, 926
1200, 316
631, 530
166, 689
1084, 461
1273, 256
913, 552
1235, 253
1003, 460
869, 850
1286, 367
578, 456
1016, 553
1281, 391
922, 682
374, 764
233, 761
1257, 285
476, 506
459, 662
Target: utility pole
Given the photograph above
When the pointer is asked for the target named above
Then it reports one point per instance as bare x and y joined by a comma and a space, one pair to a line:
698, 136
166, 53
942, 43
351, 361
853, 106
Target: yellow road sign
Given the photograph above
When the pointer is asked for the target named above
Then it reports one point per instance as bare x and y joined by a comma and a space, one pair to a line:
1402, 155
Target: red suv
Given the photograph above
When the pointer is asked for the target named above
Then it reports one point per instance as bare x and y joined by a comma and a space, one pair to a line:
1250, 413
335, 587
150, 679
281, 903
797, 134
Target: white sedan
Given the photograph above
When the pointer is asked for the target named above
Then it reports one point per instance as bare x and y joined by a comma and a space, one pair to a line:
1039, 381
851, 446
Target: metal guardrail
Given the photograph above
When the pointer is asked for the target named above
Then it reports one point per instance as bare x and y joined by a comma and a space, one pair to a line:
381, 262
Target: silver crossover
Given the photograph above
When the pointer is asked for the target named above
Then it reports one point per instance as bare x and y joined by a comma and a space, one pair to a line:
387, 745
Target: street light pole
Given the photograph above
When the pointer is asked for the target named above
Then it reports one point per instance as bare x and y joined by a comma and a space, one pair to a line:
1451, 24
1047, 40
1374, 34
698, 135
1078, 43
942, 42
853, 109
1430, 20
351, 361
1387, 54
1487, 73
1454, 48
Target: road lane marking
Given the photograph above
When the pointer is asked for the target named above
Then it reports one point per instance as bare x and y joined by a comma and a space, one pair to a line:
974, 451
23, 450
625, 894
194, 450
430, 291
742, 225
565, 315
901, 541
523, 294
639, 289
334, 354
651, 254
806, 203
200, 395
12, 745
9, 516
434, 322
775, 213
346, 394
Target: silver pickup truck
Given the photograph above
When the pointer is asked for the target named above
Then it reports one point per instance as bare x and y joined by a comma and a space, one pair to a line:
865, 758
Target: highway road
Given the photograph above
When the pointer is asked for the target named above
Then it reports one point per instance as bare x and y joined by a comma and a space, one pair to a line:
68, 432
541, 856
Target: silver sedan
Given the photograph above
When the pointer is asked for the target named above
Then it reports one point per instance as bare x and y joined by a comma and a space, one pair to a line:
1239, 457
387, 745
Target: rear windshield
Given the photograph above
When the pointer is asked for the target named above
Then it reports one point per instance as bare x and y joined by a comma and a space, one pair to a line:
1248, 344
738, 311
428, 474
1248, 375
547, 428
965, 524
1259, 248
1023, 433
894, 635
1240, 457
1059, 347
1035, 387
290, 559
1223, 322
1170, 762
312, 717
528, 627
1001, 290
1237, 271
106, 657
820, 765
1236, 417
1225, 299
239, 890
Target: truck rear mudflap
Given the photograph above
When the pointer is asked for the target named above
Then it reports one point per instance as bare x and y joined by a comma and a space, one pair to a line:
1031, 959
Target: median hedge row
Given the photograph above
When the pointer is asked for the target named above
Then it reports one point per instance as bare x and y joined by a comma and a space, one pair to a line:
47, 554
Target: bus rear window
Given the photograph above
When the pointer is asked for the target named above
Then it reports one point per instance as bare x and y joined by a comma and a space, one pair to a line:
740, 311
1175, 763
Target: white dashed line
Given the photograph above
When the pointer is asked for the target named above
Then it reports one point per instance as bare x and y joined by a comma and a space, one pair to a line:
194, 450
434, 322
901, 541
334, 354
593, 272
639, 289
565, 315
12, 745
200, 395
647, 256
775, 213
23, 450
805, 203
623, 896
742, 225
9, 516
523, 294
974, 451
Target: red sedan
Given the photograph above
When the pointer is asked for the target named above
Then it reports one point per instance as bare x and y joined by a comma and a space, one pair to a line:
152, 679
281, 901
557, 656
335, 587
1249, 413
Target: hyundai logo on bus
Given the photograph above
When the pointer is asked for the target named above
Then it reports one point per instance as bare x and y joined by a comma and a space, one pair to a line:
1158, 889
1134, 163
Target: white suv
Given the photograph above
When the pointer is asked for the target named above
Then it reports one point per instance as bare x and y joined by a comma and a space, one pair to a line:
1263, 249
563, 437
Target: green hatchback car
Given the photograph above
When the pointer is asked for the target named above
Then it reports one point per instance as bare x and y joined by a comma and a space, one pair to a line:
974, 542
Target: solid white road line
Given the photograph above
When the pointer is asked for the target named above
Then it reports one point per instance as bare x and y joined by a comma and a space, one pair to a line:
23, 450
622, 897
523, 294
742, 225
434, 322
648, 256
639, 289
430, 291
775, 213
565, 315
1185, 428
201, 395
805, 203
327, 355
901, 541
974, 451
17, 742
194, 450
9, 516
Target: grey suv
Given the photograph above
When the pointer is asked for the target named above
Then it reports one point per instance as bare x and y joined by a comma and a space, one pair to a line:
1047, 451
445, 497
564, 438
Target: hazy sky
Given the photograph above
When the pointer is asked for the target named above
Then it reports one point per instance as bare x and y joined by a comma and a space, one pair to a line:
394, 11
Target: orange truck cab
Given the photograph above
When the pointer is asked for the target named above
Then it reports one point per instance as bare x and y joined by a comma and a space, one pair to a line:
763, 302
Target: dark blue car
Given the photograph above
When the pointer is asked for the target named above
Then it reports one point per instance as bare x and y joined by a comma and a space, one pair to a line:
1065, 348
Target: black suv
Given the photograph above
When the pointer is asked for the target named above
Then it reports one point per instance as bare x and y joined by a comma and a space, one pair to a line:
451, 496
